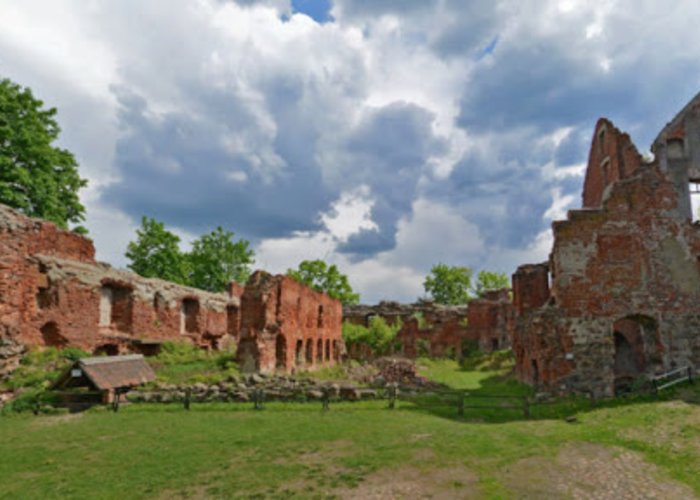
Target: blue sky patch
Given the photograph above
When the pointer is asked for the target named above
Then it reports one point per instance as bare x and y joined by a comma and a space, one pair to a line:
318, 10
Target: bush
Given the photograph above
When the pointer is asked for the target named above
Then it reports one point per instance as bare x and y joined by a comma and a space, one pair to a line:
39, 367
379, 335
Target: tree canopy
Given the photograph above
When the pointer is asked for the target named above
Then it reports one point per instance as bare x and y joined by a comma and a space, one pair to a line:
214, 261
324, 278
36, 178
156, 253
452, 285
449, 285
489, 280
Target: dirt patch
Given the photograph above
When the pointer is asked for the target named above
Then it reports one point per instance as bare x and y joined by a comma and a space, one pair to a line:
412, 482
584, 470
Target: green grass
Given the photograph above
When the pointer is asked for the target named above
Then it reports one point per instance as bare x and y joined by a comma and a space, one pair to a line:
294, 449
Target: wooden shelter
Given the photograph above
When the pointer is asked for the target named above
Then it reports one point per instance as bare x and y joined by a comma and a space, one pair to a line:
101, 378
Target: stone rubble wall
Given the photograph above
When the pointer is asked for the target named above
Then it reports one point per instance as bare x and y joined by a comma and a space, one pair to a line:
624, 274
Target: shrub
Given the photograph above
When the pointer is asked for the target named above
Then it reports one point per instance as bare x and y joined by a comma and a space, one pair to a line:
379, 335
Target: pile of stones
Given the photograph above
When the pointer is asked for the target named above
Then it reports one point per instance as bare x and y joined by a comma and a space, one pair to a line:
247, 388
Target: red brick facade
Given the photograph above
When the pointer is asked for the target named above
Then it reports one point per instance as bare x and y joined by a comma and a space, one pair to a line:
287, 326
53, 293
624, 271
429, 329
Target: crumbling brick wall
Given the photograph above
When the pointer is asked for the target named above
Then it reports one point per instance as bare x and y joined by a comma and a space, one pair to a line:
491, 319
437, 330
625, 275
53, 292
286, 326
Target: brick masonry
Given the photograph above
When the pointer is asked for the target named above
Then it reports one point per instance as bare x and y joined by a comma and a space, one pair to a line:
438, 330
624, 270
287, 326
54, 293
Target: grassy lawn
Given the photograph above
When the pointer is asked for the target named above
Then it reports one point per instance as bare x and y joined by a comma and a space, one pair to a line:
354, 450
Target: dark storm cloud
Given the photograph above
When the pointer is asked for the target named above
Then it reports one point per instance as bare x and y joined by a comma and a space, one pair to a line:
389, 151
176, 168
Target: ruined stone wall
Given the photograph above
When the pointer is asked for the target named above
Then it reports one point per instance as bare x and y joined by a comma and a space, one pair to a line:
491, 320
437, 330
286, 326
625, 284
53, 292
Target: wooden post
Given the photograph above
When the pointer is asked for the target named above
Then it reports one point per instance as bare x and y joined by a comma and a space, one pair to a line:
325, 399
392, 390
460, 404
115, 403
526, 407
188, 397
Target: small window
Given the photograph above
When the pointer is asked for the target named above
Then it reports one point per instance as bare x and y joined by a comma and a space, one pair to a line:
116, 305
675, 149
320, 317
189, 316
601, 139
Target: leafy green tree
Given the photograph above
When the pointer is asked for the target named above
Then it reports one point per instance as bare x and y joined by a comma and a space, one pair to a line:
449, 285
156, 253
36, 178
379, 335
215, 261
488, 280
324, 278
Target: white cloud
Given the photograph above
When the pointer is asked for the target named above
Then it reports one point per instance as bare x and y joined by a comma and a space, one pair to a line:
452, 128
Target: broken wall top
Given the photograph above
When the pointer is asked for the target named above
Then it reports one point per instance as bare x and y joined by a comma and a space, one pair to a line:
33, 236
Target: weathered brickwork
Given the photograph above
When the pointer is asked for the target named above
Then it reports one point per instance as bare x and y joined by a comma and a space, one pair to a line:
437, 330
625, 277
53, 293
491, 320
287, 326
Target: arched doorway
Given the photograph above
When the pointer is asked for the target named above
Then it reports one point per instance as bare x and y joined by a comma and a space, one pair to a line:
309, 352
299, 353
319, 351
634, 341
51, 335
281, 352
535, 373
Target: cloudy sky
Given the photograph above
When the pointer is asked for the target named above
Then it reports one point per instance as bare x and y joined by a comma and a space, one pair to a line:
381, 135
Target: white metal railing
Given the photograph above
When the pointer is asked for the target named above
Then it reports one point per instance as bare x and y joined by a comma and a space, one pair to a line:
676, 376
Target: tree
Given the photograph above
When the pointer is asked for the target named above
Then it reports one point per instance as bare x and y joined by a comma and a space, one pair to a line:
36, 178
323, 278
488, 280
156, 253
449, 284
215, 261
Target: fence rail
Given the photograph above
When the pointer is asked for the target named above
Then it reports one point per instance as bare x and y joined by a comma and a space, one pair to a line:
673, 377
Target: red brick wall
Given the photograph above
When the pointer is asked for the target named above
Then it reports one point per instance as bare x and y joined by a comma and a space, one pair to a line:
49, 277
634, 256
277, 315
530, 287
612, 157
